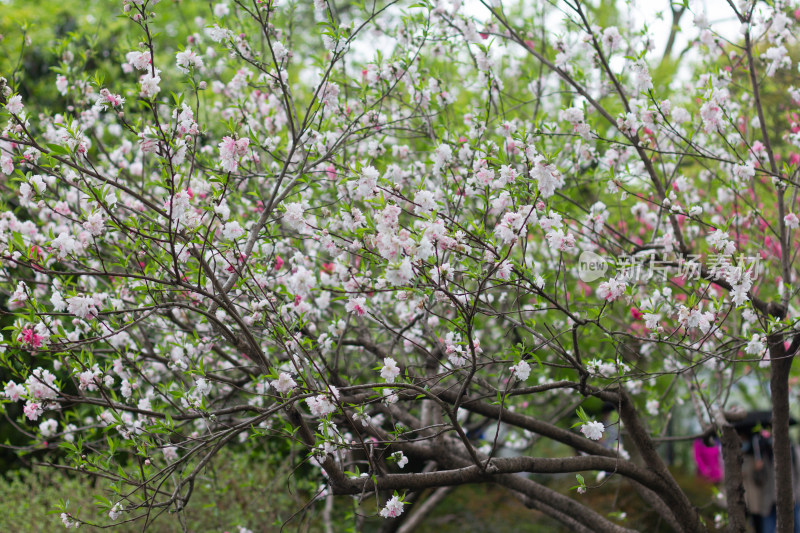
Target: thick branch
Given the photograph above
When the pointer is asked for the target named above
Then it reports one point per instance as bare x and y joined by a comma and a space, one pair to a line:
497, 466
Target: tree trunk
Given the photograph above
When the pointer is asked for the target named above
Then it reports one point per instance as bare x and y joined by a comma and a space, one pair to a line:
734, 487
781, 364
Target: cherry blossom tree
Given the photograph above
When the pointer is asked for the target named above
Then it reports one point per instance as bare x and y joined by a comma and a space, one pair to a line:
408, 240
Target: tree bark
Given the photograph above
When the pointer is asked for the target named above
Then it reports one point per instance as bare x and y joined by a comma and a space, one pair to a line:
658, 505
781, 365
734, 488
672, 494
573, 525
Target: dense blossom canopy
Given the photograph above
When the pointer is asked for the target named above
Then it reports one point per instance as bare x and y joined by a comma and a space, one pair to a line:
402, 238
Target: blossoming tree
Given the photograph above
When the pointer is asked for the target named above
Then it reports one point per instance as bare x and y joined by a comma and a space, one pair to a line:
365, 229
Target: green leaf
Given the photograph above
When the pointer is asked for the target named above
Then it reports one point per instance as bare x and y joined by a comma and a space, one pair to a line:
57, 149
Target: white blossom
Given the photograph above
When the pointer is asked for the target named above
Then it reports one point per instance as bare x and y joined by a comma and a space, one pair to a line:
593, 430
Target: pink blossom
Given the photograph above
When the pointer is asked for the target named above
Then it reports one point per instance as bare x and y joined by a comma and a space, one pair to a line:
62, 85
230, 151
188, 60
284, 383
20, 294
232, 231
13, 391
95, 224
612, 289
504, 270
14, 105
138, 60
69, 522
6, 165
31, 338
108, 99
148, 140
367, 182
330, 170
217, 34
90, 379
320, 405
185, 124
82, 307
393, 508
149, 84
170, 453
32, 410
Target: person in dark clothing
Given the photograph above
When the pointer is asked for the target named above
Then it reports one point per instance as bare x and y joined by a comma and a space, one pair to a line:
758, 477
